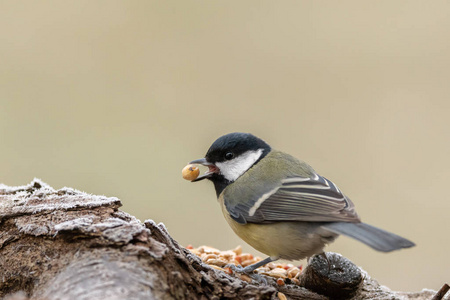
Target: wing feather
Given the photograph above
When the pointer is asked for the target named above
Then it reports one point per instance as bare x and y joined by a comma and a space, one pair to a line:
297, 198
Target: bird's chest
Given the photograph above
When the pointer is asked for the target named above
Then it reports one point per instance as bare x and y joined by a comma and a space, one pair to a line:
257, 235
240, 229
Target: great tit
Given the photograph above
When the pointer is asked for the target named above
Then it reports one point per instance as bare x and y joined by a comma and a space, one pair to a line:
280, 205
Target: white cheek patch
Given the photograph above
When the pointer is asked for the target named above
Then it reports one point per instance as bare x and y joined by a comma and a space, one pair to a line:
232, 169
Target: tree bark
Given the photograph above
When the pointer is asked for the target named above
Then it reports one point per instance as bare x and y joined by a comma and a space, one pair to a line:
66, 244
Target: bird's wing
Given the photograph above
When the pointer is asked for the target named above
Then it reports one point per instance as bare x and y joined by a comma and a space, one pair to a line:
313, 199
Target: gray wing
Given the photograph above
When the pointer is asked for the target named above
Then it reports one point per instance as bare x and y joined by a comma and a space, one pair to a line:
313, 199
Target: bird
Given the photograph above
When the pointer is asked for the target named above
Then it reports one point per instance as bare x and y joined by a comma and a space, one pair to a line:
279, 205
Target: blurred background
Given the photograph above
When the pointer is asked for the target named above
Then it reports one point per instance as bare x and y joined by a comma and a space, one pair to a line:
115, 97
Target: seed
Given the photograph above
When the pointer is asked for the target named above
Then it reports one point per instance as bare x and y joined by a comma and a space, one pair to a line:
293, 272
206, 249
190, 172
271, 265
217, 262
278, 273
217, 268
280, 281
245, 278
244, 257
234, 262
206, 257
262, 270
227, 254
281, 296
238, 250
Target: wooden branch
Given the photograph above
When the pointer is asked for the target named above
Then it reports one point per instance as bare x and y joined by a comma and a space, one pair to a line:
441, 293
66, 244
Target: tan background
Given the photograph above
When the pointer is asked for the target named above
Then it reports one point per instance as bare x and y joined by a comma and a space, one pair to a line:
115, 97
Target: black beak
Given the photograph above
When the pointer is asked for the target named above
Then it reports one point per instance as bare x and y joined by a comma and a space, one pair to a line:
201, 161
212, 168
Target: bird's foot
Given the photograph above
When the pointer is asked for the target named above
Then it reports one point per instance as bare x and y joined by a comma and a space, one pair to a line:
247, 273
240, 269
235, 268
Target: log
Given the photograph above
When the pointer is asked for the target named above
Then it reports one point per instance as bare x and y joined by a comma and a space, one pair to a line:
66, 244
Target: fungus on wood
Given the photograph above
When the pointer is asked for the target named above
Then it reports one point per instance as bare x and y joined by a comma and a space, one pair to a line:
66, 244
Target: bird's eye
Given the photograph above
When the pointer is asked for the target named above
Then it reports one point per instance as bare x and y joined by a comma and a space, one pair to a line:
229, 155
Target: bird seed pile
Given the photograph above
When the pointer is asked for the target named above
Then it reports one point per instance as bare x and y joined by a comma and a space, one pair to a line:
281, 272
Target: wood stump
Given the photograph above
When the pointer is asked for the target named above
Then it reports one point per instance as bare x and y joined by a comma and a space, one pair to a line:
66, 244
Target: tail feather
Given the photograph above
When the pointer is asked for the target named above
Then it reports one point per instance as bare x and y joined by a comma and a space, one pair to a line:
374, 237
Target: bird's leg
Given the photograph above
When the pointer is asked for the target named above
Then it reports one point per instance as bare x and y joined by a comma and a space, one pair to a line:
251, 268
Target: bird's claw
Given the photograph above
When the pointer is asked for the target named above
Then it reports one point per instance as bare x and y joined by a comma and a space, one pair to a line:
235, 268
247, 271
